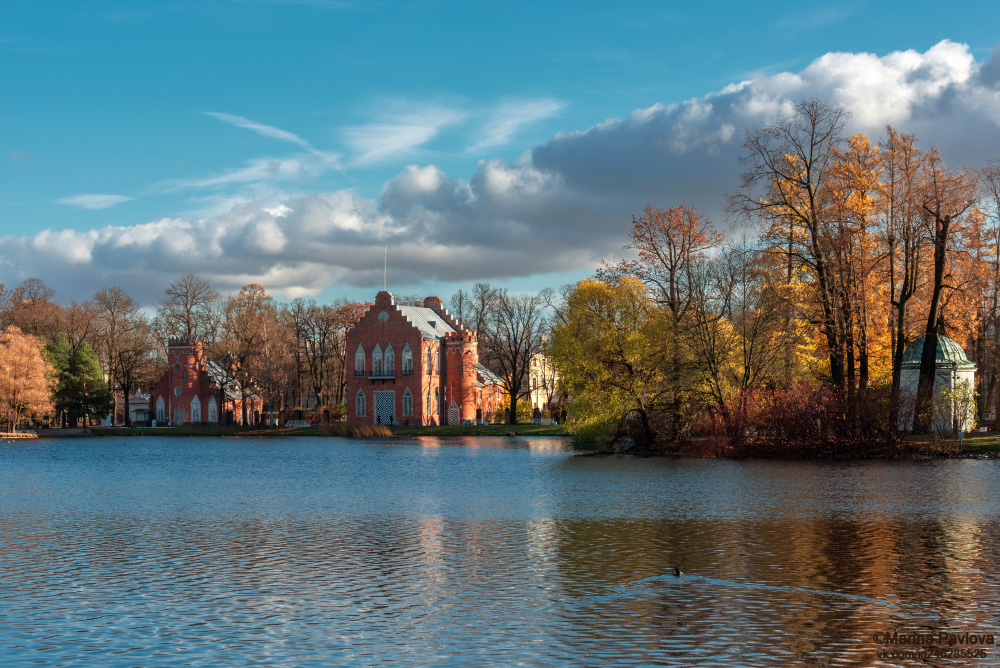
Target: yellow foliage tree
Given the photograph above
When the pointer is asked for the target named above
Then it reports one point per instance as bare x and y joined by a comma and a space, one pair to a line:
27, 378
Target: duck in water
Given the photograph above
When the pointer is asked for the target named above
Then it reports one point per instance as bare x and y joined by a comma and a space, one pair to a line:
677, 572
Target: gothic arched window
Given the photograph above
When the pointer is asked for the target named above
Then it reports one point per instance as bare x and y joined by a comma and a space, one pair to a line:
407, 360
377, 361
389, 361
407, 403
359, 404
359, 361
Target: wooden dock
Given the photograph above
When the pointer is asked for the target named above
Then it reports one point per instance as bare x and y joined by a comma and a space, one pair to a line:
10, 436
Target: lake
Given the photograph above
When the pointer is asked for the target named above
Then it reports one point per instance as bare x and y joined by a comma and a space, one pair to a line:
486, 551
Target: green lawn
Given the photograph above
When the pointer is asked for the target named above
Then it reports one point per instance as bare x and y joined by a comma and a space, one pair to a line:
233, 430
457, 430
974, 444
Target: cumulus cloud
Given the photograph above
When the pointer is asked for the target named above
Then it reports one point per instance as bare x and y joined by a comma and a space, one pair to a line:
565, 205
94, 202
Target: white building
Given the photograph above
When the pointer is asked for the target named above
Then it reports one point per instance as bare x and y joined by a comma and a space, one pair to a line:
954, 385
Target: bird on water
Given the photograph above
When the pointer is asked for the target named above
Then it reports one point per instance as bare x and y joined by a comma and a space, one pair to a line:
677, 572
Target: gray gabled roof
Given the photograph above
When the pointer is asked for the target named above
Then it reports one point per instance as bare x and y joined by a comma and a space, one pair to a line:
488, 376
217, 374
422, 317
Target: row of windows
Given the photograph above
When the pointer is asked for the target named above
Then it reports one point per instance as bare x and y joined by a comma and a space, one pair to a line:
384, 361
213, 415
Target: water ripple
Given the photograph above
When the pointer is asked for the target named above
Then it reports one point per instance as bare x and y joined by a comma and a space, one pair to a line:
180, 552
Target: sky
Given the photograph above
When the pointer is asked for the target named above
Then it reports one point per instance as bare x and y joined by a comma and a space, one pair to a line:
287, 141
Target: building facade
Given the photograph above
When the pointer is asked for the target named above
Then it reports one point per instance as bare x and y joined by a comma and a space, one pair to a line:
193, 390
415, 365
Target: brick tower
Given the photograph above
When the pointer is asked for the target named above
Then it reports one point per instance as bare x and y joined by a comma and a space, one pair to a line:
460, 375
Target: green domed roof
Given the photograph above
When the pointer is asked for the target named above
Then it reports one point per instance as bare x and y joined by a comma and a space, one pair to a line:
948, 352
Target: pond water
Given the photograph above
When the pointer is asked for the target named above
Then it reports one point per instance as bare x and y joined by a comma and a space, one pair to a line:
486, 551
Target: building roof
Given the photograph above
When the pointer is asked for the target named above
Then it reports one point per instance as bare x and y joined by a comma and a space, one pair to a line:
948, 353
488, 376
217, 374
422, 317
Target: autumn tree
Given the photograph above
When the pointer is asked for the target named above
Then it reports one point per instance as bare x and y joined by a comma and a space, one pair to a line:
669, 244
785, 183
990, 182
30, 306
607, 347
26, 378
902, 230
946, 195
736, 328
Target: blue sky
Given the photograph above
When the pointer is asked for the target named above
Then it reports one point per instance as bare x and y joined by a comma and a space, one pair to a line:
287, 141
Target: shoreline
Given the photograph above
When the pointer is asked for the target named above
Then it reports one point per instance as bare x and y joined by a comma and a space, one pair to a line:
984, 447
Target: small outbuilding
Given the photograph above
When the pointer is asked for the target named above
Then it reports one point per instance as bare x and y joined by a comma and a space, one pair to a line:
954, 385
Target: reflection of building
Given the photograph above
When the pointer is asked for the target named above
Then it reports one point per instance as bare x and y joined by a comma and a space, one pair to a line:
954, 381
415, 365
191, 390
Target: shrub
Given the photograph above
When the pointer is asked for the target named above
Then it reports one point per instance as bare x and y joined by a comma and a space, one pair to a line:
355, 430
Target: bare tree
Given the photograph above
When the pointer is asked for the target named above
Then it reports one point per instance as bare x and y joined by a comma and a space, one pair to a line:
124, 344
242, 340
188, 308
510, 333
459, 304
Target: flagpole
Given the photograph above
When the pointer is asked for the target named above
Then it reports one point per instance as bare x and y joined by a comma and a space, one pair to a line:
385, 266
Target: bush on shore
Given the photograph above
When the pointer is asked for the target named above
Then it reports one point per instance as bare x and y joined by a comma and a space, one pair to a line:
803, 422
355, 430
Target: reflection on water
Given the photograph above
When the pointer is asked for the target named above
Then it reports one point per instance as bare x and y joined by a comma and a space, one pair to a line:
475, 552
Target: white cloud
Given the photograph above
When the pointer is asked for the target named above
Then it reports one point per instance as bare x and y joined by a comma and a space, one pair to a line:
263, 170
399, 134
562, 207
260, 128
513, 115
94, 202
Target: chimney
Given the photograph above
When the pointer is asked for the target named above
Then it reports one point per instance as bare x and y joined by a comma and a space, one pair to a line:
434, 303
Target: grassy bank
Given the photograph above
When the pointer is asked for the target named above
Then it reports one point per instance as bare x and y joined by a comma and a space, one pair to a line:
397, 430
481, 430
232, 430
985, 445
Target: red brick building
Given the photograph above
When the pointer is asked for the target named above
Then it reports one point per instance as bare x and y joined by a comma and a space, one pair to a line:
416, 365
191, 390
